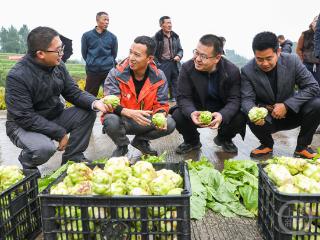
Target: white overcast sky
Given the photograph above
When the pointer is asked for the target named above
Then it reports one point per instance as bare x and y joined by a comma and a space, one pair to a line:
237, 20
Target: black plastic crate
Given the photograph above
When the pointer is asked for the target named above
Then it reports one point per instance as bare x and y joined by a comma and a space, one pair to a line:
118, 217
20, 216
284, 216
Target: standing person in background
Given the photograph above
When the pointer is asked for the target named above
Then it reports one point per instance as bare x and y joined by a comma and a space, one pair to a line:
285, 44
99, 48
305, 50
168, 54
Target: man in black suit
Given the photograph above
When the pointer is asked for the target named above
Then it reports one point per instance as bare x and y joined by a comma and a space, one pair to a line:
209, 82
271, 79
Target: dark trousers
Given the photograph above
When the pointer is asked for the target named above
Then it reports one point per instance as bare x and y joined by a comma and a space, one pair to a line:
117, 129
37, 148
308, 118
94, 81
315, 72
170, 69
188, 129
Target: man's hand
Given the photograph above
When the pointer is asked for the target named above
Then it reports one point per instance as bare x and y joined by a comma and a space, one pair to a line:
139, 116
63, 143
216, 120
195, 118
260, 122
99, 105
279, 111
176, 58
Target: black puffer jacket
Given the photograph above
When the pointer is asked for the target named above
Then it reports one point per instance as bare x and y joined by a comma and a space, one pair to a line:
33, 97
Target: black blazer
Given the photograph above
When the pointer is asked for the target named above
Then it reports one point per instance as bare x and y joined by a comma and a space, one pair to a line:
193, 89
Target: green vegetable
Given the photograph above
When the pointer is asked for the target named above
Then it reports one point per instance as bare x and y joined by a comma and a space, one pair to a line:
154, 159
257, 113
9, 175
232, 192
278, 174
205, 117
45, 181
112, 99
159, 120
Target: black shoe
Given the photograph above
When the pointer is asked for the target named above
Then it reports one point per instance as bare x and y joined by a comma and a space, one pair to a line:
144, 147
120, 151
227, 145
38, 174
187, 147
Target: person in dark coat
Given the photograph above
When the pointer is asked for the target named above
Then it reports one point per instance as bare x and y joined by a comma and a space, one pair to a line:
209, 82
68, 50
317, 39
306, 50
35, 114
270, 80
168, 54
285, 44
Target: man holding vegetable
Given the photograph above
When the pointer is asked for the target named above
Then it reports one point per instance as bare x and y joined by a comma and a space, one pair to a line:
36, 115
143, 93
270, 80
208, 96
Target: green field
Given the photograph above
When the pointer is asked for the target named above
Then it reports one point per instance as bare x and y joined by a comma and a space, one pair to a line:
77, 71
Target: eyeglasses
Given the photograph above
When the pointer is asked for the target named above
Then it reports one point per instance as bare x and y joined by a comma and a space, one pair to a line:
203, 57
59, 51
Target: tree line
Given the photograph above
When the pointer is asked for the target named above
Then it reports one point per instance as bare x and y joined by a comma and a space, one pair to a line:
13, 40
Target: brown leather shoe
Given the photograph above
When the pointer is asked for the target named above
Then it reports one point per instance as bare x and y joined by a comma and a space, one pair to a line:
305, 153
261, 151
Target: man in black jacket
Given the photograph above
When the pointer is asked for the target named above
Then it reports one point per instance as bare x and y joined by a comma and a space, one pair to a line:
282, 84
209, 82
36, 116
168, 54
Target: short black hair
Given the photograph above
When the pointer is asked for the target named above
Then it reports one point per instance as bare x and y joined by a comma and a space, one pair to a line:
149, 42
161, 20
214, 41
280, 37
265, 40
99, 14
40, 38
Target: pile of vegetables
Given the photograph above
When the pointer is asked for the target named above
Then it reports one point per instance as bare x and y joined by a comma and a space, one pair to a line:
257, 113
9, 175
232, 192
298, 176
205, 117
294, 175
116, 178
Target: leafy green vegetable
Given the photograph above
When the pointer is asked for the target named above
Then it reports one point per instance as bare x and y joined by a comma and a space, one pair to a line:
257, 113
112, 99
45, 181
154, 159
205, 117
232, 192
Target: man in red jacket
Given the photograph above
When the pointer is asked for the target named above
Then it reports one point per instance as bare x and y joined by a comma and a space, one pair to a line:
143, 91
